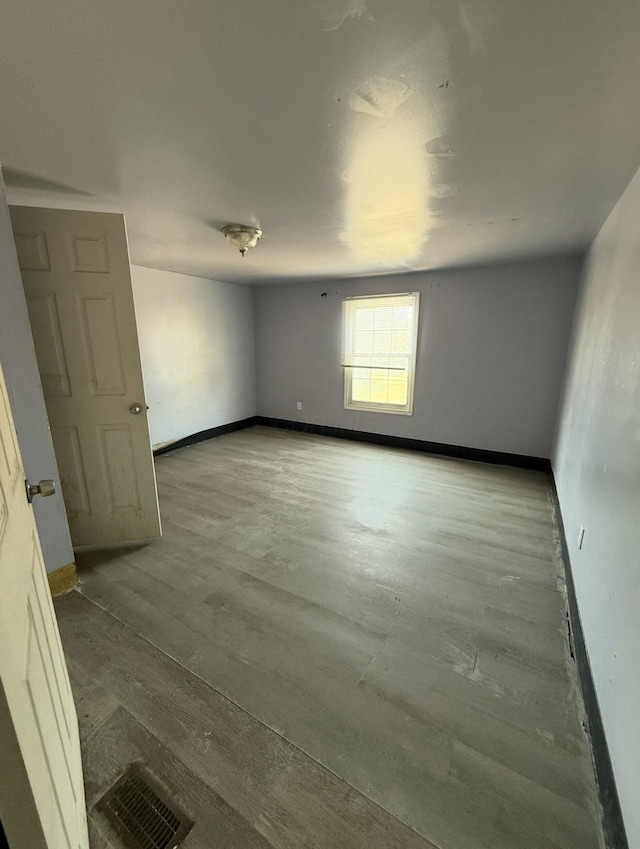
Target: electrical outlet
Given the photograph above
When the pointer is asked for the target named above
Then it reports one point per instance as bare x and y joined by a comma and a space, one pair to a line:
298, 405
580, 536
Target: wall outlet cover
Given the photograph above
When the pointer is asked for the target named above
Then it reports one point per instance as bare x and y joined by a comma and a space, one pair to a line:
298, 405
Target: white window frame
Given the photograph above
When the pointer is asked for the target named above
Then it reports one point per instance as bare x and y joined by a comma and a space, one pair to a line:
347, 331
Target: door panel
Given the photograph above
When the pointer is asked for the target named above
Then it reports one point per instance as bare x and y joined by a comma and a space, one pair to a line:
32, 250
76, 274
119, 467
42, 801
102, 354
89, 253
45, 326
66, 442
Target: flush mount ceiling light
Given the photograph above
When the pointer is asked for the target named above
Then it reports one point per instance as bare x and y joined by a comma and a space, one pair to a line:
241, 236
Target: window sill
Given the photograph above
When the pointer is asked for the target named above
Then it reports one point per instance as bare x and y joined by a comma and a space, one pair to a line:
373, 408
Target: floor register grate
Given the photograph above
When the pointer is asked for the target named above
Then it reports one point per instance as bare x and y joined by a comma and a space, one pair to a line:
142, 814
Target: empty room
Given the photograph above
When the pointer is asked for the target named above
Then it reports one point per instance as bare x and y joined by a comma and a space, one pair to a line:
320, 424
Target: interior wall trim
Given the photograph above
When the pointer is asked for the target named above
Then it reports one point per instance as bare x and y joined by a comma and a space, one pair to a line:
61, 580
480, 455
612, 820
203, 435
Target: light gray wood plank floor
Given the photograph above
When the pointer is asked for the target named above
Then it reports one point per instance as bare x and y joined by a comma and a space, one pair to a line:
399, 617
242, 785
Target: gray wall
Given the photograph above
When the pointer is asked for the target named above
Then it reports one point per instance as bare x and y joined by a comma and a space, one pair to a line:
196, 344
20, 367
492, 348
597, 469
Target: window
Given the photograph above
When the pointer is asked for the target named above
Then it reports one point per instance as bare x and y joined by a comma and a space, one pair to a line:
379, 336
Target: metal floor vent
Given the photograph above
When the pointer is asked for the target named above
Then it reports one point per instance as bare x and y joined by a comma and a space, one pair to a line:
142, 814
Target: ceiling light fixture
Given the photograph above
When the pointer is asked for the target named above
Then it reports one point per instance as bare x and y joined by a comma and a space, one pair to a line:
242, 237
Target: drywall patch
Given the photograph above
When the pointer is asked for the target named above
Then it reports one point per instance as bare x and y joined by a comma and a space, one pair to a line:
380, 97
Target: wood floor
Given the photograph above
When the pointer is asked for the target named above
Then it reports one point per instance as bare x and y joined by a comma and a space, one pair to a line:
240, 782
388, 629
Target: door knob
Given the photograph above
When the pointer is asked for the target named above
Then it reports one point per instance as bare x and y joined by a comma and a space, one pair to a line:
136, 409
44, 488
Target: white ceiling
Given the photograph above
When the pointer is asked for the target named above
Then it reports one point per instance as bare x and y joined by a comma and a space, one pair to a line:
363, 136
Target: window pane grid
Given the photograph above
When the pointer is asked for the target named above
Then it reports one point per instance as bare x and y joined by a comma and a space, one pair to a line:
379, 351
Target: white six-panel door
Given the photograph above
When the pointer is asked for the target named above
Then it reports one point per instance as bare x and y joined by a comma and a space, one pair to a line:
42, 804
76, 274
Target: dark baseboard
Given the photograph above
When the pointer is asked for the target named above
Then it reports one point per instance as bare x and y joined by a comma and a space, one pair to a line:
478, 454
203, 435
613, 823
